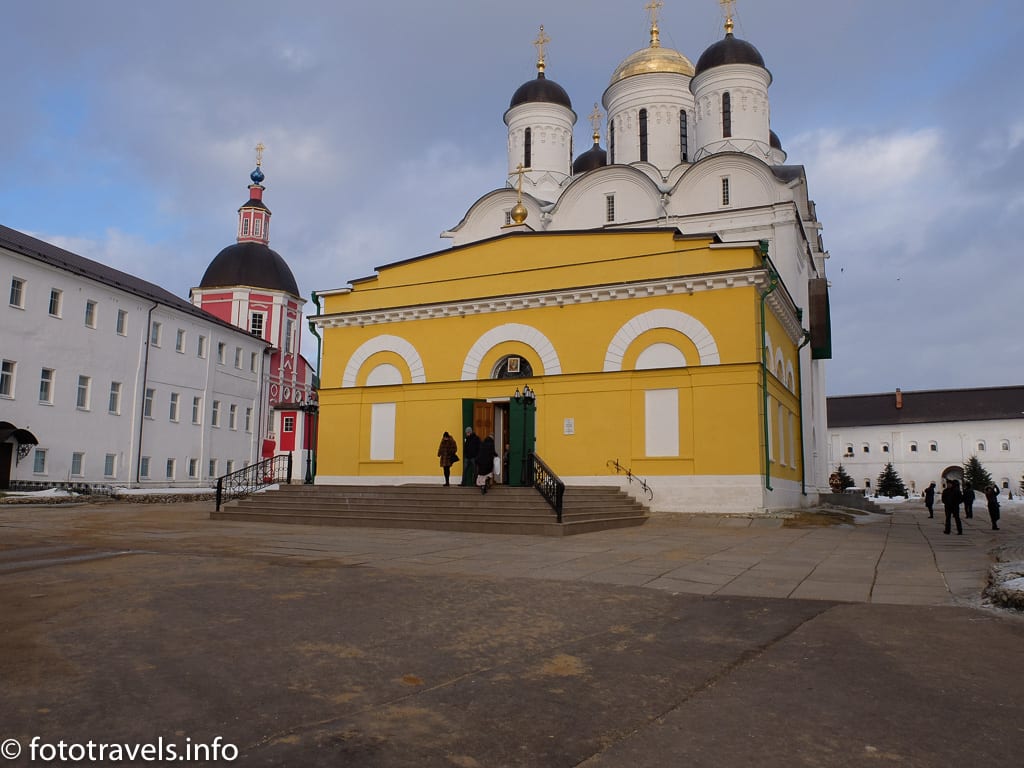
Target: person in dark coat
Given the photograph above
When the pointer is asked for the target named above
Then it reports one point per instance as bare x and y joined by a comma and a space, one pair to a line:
929, 499
968, 501
485, 463
951, 499
448, 454
992, 497
470, 449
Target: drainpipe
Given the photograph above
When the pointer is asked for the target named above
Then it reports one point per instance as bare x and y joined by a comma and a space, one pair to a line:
145, 379
773, 283
313, 330
800, 411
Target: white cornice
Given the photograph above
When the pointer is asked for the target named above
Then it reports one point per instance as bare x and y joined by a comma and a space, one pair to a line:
756, 278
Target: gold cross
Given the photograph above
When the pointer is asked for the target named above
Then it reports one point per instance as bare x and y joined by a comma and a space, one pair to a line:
259, 154
540, 42
519, 171
729, 9
595, 120
652, 8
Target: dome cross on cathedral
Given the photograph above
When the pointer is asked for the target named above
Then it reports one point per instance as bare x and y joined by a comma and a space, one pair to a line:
652, 8
729, 10
259, 154
540, 42
595, 121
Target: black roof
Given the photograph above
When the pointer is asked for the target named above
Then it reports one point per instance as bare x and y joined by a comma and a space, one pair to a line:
927, 406
595, 157
254, 203
729, 50
252, 264
540, 89
46, 253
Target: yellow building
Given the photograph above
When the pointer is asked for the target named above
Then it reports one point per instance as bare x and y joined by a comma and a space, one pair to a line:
642, 346
665, 300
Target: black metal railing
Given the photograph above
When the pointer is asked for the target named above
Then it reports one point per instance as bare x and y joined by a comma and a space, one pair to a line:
547, 482
619, 469
277, 469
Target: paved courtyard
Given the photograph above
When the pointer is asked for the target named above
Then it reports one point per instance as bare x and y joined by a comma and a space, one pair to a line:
689, 641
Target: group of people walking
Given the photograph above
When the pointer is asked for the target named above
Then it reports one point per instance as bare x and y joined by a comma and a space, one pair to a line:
952, 497
478, 468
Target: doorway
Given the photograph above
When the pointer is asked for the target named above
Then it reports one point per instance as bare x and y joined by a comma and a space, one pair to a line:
513, 431
6, 454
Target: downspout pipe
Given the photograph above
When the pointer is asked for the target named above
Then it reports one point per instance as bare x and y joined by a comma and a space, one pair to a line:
315, 332
800, 412
773, 284
145, 380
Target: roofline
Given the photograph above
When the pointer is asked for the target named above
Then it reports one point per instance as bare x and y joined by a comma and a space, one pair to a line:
890, 393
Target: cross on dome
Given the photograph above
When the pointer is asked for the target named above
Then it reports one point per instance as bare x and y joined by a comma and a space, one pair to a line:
729, 9
259, 154
540, 42
652, 8
595, 121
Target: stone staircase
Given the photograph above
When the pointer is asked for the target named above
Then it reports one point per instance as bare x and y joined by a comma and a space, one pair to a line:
502, 509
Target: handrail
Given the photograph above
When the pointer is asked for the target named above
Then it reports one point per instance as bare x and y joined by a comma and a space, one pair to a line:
248, 480
614, 464
547, 483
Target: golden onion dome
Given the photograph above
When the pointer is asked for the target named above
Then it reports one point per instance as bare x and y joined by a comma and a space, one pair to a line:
519, 213
653, 58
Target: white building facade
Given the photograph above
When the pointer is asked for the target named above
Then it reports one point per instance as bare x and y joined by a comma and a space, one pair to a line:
929, 435
109, 380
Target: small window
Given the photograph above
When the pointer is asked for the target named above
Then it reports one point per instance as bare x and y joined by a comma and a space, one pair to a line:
885, 447
197, 410
611, 142
122, 322
933, 447
913, 447
1004, 445
981, 445
289, 336
238, 358
46, 386
82, 399
147, 404
248, 419
213, 468
55, 301
110, 465
179, 342
232, 416
643, 135
17, 292
7, 378
528, 148
609, 208
154, 334
867, 483
222, 352
171, 466
865, 448
849, 450
77, 459
245, 227
256, 324
1005, 483
201, 347
39, 461
173, 410
253, 362
726, 115
683, 154
256, 228
508, 218
90, 314
725, 191
215, 414
288, 424
144, 467
229, 466
193, 468
114, 404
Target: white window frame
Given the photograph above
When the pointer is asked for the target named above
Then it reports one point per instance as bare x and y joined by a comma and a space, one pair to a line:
222, 351
39, 462
155, 333
77, 464
170, 469
201, 347
91, 308
215, 414
83, 393
232, 416
238, 357
197, 410
261, 317
174, 408
56, 300
144, 465
110, 465
193, 469
16, 297
248, 419
147, 403
8, 368
179, 341
114, 402
47, 381
122, 322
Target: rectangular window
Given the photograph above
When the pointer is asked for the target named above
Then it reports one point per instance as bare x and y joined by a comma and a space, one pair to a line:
609, 207
154, 334
144, 467
233, 416
288, 424
726, 115
508, 218
289, 333
197, 410
147, 404
114, 405
173, 411
725, 191
110, 465
213, 468
82, 400
55, 301
201, 347
229, 466
179, 342
245, 227
256, 228
248, 419
46, 386
77, 459
683, 153
17, 292
238, 358
256, 324
122, 322
193, 468
90, 314
169, 474
222, 351
39, 461
253, 362
7, 378
215, 415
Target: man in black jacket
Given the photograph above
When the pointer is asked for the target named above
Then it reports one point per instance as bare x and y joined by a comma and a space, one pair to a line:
951, 499
470, 449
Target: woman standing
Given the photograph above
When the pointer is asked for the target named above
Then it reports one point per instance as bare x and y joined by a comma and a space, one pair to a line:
992, 497
448, 453
485, 463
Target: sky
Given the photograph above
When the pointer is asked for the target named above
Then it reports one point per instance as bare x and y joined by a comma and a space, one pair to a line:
128, 135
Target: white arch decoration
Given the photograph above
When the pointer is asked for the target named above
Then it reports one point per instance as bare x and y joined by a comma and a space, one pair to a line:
526, 334
672, 319
385, 343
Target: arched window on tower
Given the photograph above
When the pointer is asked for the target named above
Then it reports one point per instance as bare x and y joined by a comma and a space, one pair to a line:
726, 115
683, 157
528, 149
643, 135
611, 142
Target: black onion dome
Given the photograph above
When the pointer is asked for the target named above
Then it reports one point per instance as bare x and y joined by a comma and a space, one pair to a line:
729, 50
593, 158
773, 139
252, 264
540, 89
